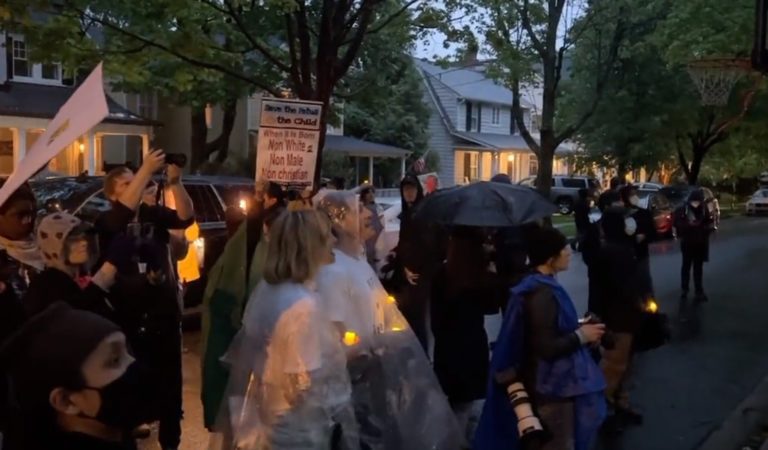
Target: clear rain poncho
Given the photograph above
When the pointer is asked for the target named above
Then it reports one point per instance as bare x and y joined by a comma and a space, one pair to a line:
288, 386
398, 402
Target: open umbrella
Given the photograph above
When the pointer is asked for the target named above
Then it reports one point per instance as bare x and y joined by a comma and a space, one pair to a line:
485, 204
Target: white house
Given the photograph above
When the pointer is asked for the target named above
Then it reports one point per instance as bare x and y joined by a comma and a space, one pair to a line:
471, 127
30, 96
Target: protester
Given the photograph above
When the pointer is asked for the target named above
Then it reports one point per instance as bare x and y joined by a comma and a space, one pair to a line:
385, 358
68, 250
231, 281
419, 255
542, 345
368, 200
620, 306
75, 385
511, 250
463, 292
20, 257
287, 361
606, 198
581, 215
694, 224
149, 295
645, 234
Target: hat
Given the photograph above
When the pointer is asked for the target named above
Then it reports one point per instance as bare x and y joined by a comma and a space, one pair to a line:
612, 222
52, 234
544, 243
696, 196
49, 352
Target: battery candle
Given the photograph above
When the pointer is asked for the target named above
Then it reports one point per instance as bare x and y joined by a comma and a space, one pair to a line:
351, 338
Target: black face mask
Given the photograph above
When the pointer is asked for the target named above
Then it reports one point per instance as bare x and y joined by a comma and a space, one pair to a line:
129, 401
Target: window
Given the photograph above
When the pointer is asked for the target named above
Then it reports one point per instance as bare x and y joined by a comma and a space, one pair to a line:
21, 65
533, 166
470, 166
496, 116
51, 72
92, 208
573, 183
147, 105
208, 207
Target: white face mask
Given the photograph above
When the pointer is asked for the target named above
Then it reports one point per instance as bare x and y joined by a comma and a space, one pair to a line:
630, 226
634, 200
591, 204
595, 216
695, 204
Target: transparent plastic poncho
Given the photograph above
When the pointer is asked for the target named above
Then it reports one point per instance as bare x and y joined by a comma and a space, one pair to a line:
397, 399
289, 387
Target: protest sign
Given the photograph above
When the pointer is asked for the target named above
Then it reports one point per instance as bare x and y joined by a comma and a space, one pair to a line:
85, 109
289, 133
430, 182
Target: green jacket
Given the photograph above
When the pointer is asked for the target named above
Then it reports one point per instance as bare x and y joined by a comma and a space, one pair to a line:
224, 300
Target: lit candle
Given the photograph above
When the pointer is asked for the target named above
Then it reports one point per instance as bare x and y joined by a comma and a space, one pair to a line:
243, 204
651, 307
390, 299
351, 338
396, 328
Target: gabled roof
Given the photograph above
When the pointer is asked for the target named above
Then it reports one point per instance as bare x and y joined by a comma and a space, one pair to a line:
506, 141
469, 83
360, 148
41, 101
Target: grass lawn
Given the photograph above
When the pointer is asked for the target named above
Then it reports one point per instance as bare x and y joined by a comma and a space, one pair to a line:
565, 224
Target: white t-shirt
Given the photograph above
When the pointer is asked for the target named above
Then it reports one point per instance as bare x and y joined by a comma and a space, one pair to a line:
351, 294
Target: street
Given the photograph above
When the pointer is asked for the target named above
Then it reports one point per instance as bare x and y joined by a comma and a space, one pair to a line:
685, 388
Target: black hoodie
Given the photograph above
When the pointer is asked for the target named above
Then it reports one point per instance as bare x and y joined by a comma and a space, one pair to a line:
417, 246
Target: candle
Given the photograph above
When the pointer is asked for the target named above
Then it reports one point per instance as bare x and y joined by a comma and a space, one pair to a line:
351, 338
651, 307
390, 299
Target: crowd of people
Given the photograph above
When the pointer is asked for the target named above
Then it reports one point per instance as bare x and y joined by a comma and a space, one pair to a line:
306, 344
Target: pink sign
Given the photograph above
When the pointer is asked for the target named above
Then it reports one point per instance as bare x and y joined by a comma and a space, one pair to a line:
85, 109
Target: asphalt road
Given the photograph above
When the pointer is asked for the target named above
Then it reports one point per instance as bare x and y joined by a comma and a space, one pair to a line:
685, 389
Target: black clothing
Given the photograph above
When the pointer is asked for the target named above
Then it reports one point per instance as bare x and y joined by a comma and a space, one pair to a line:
646, 227
53, 285
581, 215
16, 277
694, 226
691, 261
76, 441
511, 254
542, 341
461, 352
150, 312
618, 294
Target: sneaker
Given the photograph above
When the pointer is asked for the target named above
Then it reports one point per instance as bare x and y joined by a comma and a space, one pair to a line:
629, 417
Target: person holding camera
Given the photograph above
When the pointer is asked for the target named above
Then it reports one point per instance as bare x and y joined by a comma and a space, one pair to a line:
542, 375
149, 303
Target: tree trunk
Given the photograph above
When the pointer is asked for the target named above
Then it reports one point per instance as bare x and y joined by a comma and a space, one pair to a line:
695, 168
220, 145
198, 138
321, 144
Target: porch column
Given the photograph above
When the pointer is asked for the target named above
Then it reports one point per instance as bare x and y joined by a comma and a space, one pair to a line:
21, 146
480, 174
144, 145
402, 167
370, 170
90, 155
495, 163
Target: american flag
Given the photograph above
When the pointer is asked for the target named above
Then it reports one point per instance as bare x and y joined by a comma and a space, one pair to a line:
419, 165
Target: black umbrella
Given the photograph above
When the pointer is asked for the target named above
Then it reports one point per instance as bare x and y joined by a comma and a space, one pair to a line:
485, 204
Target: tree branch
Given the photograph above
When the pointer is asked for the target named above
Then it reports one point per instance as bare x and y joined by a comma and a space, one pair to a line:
517, 114
526, 22
342, 65
384, 23
305, 50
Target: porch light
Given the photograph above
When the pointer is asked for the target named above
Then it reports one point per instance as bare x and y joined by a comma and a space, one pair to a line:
82, 148
511, 158
243, 204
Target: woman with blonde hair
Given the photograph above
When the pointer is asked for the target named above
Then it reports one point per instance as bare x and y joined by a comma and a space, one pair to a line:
288, 385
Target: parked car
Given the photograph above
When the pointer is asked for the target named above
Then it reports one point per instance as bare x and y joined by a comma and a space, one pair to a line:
661, 210
758, 203
678, 195
648, 186
211, 195
565, 189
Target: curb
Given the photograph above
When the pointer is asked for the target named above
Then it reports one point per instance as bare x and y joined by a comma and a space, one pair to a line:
741, 423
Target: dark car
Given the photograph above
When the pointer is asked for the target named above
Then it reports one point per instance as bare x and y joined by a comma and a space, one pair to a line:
211, 195
678, 195
661, 209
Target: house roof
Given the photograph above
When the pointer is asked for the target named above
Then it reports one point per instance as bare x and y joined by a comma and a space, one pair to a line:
41, 101
469, 84
506, 141
358, 147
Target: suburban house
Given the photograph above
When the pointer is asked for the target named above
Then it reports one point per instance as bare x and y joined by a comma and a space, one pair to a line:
471, 127
31, 94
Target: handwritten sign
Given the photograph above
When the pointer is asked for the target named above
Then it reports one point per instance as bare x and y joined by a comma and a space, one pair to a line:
85, 109
289, 133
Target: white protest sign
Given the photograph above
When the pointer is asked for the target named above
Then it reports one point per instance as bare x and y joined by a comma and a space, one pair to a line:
85, 109
289, 133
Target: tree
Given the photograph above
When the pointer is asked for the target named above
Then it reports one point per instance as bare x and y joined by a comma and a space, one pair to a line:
310, 44
530, 40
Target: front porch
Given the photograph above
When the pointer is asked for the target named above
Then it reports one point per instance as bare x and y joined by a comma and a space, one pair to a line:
472, 164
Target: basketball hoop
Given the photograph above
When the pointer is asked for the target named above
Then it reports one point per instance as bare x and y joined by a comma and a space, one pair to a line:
715, 78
